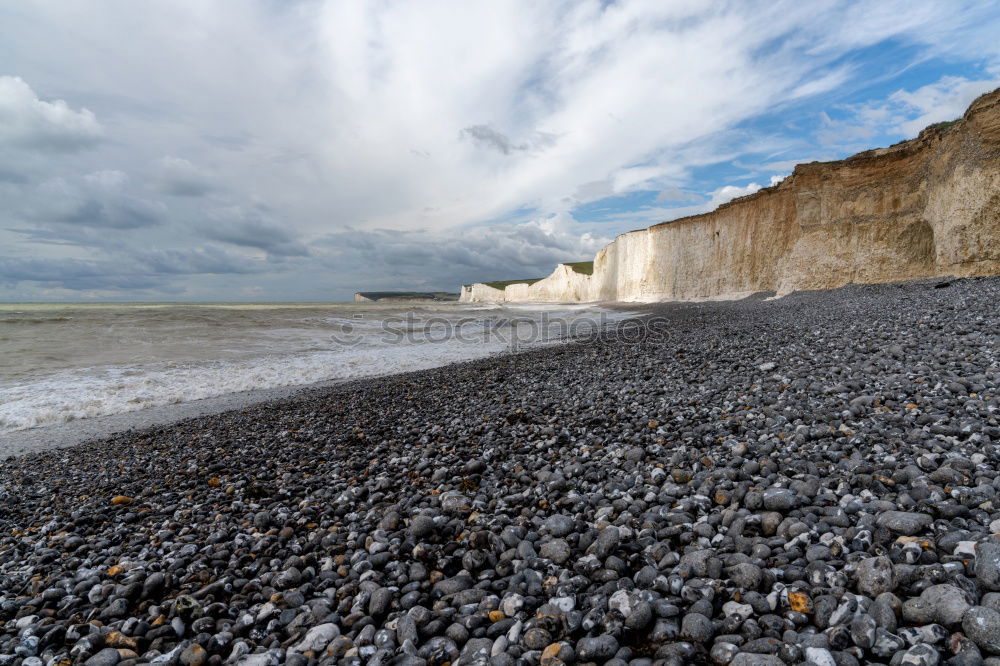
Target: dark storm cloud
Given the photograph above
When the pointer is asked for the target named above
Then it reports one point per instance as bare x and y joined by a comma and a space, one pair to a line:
99, 200
72, 236
139, 270
206, 260
124, 214
258, 234
73, 274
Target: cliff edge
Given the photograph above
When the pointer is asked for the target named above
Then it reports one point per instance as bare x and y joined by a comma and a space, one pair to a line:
927, 207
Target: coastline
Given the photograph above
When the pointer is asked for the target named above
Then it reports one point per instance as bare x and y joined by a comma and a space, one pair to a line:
81, 431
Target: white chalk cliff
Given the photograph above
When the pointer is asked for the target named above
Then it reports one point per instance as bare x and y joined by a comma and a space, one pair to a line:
927, 207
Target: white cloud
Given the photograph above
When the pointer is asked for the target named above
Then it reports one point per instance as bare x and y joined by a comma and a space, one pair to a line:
905, 113
727, 193
945, 100
429, 122
29, 123
625, 87
714, 199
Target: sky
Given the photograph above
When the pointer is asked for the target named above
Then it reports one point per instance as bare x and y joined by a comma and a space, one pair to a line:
190, 150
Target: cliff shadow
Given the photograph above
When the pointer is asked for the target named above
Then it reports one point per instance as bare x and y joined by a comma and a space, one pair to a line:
916, 245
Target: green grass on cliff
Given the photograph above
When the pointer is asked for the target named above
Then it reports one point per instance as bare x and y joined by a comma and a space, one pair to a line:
500, 284
942, 125
584, 267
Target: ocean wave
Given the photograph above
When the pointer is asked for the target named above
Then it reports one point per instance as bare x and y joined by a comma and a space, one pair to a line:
33, 320
87, 393
272, 357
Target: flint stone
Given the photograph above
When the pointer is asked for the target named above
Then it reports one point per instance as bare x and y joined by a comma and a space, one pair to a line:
987, 566
556, 550
723, 653
317, 638
948, 603
559, 525
820, 656
982, 625
599, 648
906, 523
380, 602
780, 499
876, 576
105, 657
746, 575
697, 628
606, 543
921, 654
752, 659
476, 650
421, 526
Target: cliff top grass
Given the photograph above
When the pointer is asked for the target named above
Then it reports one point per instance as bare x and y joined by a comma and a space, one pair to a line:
943, 125
584, 267
501, 284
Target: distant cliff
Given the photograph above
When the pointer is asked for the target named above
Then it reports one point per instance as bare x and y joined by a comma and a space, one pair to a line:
923, 208
391, 296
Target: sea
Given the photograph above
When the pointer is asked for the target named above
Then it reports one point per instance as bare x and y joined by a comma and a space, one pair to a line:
61, 362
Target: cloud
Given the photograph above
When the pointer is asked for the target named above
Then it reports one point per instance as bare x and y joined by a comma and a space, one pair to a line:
97, 200
486, 136
729, 192
437, 141
9, 175
249, 229
29, 123
656, 214
193, 261
71, 273
676, 194
107, 179
904, 113
946, 99
146, 269
180, 178
786, 166
529, 249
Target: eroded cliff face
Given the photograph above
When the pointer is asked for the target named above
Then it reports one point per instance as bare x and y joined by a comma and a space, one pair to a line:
923, 208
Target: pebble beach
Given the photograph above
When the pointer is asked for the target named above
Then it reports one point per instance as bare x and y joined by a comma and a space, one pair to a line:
805, 480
